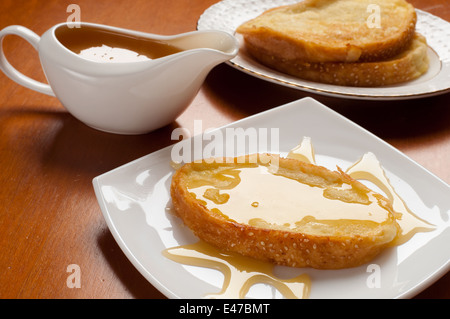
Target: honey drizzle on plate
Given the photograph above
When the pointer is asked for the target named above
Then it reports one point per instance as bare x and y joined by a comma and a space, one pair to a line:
240, 272
303, 151
369, 168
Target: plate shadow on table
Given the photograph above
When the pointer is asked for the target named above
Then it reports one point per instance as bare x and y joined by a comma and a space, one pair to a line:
128, 275
437, 290
235, 92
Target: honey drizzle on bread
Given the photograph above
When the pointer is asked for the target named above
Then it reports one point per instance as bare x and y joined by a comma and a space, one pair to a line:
314, 243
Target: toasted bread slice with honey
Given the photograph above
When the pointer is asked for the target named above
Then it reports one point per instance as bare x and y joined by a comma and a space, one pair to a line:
405, 66
333, 30
291, 213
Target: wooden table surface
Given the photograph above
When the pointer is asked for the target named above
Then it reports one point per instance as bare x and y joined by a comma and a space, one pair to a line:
49, 215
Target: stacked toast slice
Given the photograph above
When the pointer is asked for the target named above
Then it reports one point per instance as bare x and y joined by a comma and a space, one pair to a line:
343, 42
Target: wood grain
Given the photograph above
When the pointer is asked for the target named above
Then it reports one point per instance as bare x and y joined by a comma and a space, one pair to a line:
49, 216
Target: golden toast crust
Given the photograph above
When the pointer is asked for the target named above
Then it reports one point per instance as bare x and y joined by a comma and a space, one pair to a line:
332, 31
279, 246
406, 66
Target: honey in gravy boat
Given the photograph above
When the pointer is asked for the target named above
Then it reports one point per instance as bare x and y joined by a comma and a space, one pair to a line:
118, 80
240, 272
103, 45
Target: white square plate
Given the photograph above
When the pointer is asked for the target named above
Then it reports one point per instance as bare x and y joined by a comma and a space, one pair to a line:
135, 198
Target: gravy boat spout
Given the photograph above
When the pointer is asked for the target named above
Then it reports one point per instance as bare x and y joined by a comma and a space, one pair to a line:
119, 80
212, 47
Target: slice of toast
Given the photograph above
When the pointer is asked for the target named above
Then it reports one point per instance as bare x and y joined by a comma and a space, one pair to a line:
293, 213
405, 66
333, 30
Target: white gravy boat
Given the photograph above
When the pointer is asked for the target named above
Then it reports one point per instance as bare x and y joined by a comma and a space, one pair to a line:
123, 97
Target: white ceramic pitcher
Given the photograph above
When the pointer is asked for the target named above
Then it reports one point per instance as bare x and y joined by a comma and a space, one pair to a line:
124, 97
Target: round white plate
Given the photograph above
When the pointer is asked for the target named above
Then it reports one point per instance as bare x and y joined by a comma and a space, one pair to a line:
227, 15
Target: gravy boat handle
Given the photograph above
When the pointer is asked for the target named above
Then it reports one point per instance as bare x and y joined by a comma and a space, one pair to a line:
10, 71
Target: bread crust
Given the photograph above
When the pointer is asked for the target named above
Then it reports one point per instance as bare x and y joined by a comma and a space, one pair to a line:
406, 66
279, 246
332, 31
